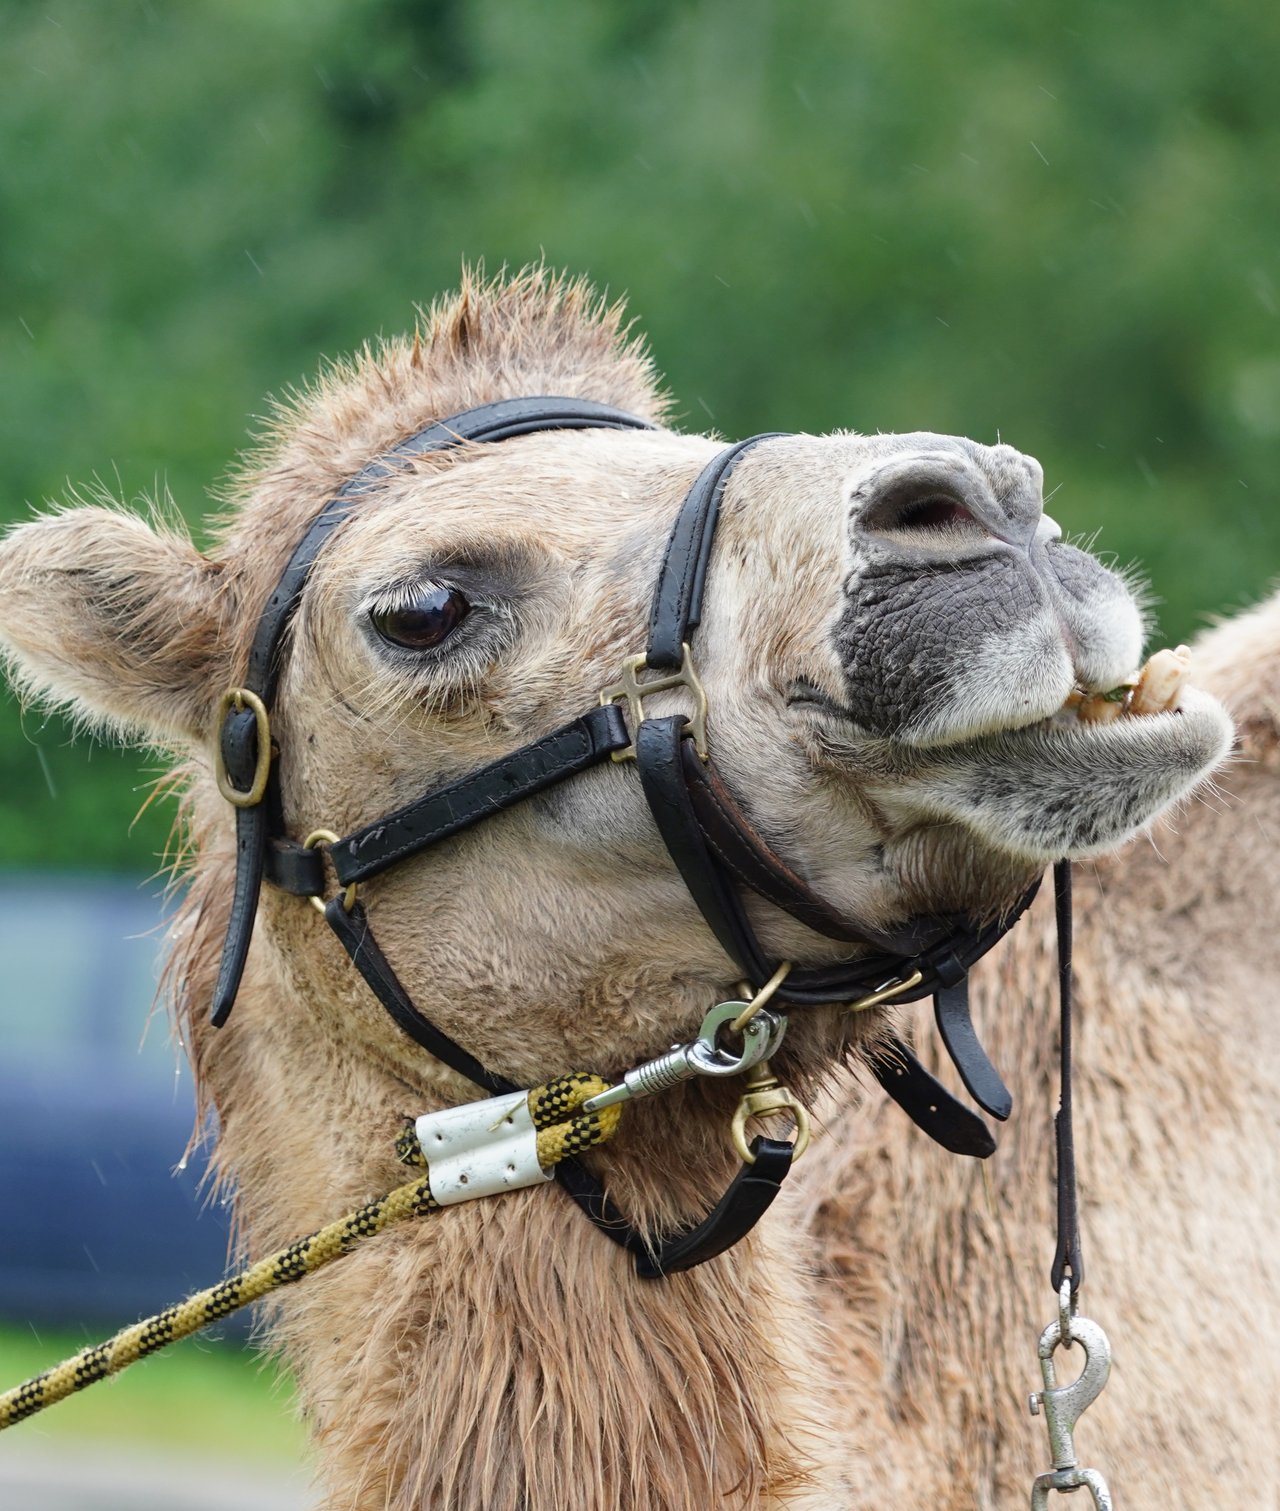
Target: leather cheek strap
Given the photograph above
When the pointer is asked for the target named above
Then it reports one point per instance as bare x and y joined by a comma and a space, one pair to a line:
446, 810
677, 600
352, 929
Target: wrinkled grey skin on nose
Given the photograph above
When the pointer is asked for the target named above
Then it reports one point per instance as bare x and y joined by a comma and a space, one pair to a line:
939, 626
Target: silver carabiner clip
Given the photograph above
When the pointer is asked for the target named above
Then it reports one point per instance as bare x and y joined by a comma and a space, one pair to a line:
761, 1036
1064, 1405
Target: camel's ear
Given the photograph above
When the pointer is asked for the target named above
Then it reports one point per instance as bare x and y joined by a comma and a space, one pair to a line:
120, 623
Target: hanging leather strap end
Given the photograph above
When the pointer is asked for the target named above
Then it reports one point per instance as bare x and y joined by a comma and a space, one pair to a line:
930, 1106
955, 1025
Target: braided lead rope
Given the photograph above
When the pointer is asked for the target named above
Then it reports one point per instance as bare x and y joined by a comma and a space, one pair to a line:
561, 1131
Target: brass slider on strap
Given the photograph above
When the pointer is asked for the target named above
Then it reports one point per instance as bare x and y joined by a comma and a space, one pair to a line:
240, 698
630, 687
886, 993
328, 837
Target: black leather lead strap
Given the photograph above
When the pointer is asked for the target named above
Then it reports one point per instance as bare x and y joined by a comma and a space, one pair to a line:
677, 600
1068, 1259
447, 810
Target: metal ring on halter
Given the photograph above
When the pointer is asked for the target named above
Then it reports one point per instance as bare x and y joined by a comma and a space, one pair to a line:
761, 998
328, 837
241, 698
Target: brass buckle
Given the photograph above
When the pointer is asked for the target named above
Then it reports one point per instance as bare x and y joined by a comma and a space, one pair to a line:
328, 837
630, 687
241, 697
886, 993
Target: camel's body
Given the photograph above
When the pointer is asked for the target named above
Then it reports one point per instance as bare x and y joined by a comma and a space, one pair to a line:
502, 1356
936, 1289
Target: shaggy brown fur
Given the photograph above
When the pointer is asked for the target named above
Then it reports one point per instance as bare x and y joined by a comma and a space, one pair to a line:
502, 1356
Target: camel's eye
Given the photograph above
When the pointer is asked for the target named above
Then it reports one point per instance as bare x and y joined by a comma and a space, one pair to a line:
422, 620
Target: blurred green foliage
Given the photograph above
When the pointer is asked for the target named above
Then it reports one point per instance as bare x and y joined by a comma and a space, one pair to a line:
200, 1398
1060, 225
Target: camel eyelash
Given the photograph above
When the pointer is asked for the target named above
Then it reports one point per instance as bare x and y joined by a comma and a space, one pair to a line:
425, 625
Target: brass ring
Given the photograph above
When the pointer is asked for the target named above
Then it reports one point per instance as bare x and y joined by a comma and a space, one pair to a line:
738, 1129
328, 837
761, 998
886, 993
241, 697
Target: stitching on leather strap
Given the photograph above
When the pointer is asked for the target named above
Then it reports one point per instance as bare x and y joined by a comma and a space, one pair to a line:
573, 733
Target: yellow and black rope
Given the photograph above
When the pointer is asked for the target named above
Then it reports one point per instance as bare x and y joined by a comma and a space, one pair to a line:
561, 1131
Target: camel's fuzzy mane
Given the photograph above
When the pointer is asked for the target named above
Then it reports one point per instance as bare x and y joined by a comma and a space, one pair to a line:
538, 332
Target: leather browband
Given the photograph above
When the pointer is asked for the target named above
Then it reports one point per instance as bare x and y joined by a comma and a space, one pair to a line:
710, 840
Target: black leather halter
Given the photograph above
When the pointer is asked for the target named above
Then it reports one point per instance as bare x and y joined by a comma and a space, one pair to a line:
711, 841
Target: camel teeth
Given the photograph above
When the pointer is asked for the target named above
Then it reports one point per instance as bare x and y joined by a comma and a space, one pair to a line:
1161, 681
1155, 689
1099, 709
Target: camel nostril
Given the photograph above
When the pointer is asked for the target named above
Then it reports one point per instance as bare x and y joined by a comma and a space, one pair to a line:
935, 514
930, 513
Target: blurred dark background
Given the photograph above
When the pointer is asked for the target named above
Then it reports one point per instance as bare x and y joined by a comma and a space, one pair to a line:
1058, 225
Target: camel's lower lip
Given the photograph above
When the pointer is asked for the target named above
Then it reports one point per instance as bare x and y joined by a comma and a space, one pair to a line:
1151, 694
1068, 729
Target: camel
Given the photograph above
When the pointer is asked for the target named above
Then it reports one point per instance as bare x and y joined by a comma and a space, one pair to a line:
892, 637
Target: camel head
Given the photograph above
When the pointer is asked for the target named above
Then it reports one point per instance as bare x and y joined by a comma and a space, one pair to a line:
893, 636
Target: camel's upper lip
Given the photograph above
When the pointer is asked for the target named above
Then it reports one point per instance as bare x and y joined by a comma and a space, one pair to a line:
1059, 727
804, 694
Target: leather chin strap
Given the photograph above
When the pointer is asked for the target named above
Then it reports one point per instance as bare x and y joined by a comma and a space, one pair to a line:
711, 841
